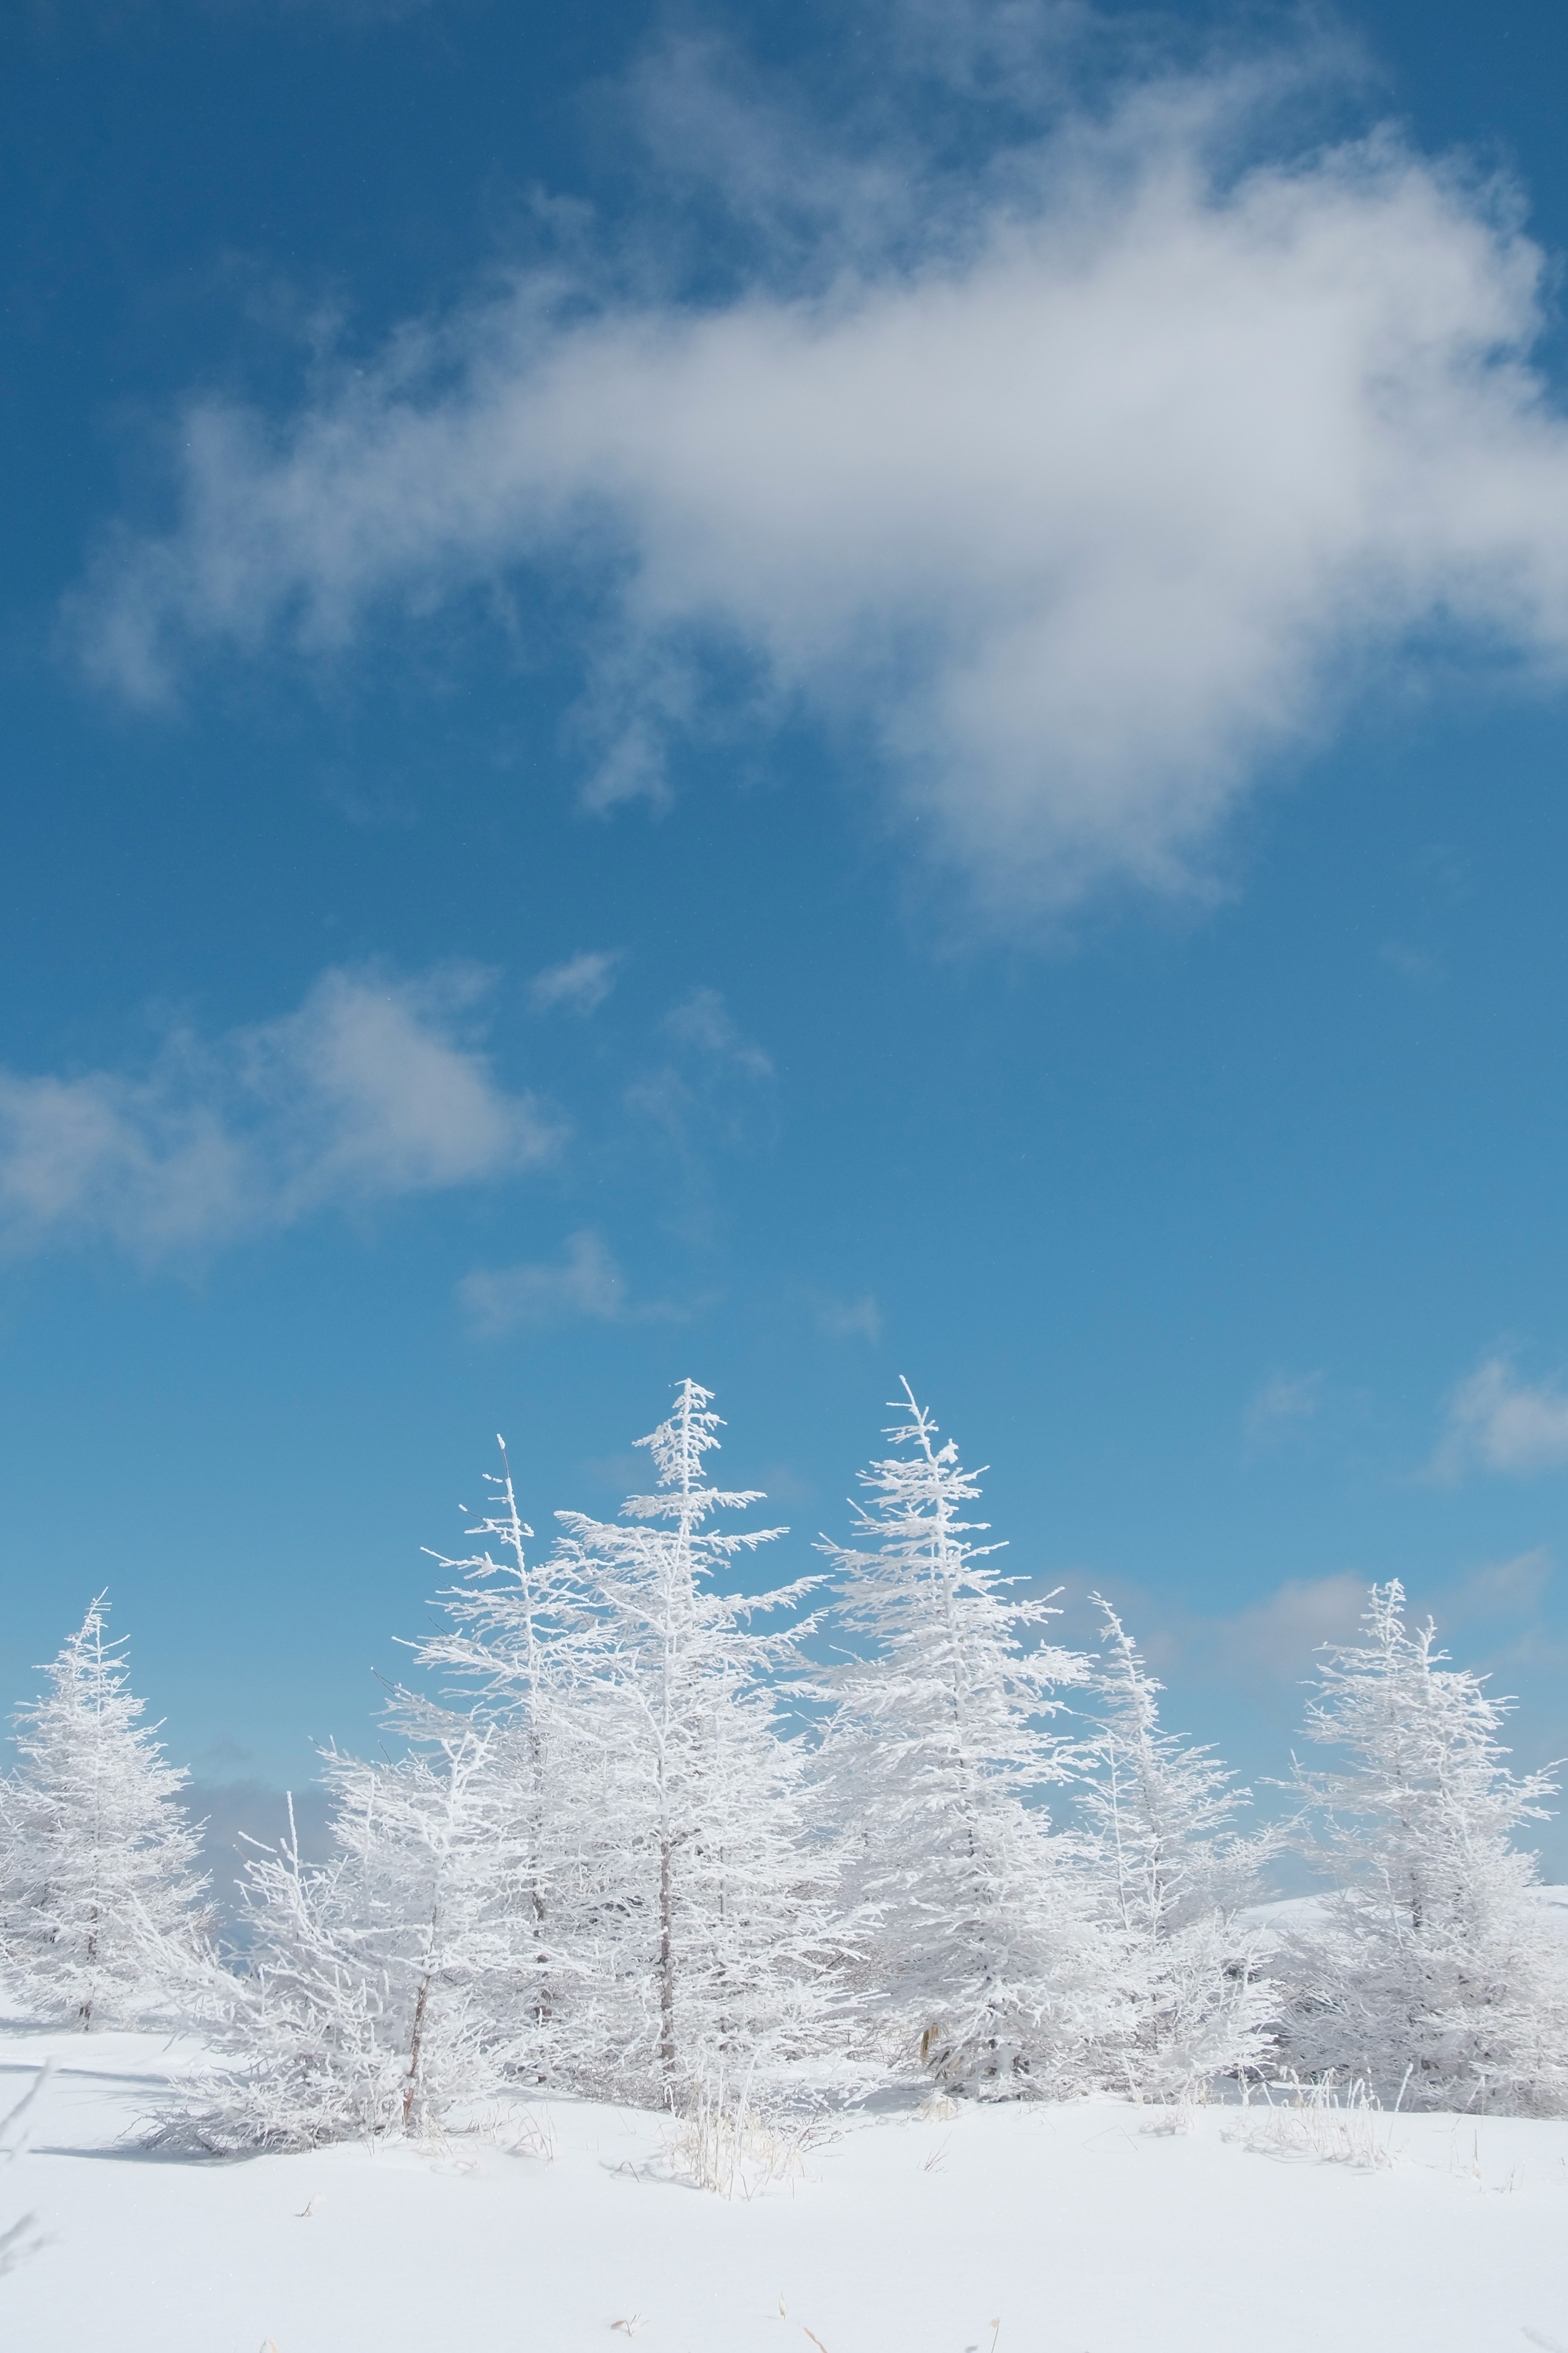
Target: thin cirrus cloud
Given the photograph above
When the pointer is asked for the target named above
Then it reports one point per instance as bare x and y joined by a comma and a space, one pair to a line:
1074, 494
578, 985
715, 1079
371, 1090
851, 1319
704, 1021
1502, 1588
1283, 1403
1278, 1635
1499, 1421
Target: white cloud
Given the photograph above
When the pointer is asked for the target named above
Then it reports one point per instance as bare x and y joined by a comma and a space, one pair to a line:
382, 1099
1286, 1399
581, 984
1497, 1421
585, 1282
366, 1092
1074, 491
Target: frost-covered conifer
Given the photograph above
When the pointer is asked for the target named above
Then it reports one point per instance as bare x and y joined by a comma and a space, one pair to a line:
358, 2017
1171, 1875
311, 2052
705, 1931
528, 1645
1431, 1965
978, 1951
102, 1911
427, 1856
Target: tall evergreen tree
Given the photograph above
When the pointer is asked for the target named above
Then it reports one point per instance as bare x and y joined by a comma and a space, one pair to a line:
978, 1951
1171, 1875
528, 1644
708, 1929
103, 1916
1432, 1966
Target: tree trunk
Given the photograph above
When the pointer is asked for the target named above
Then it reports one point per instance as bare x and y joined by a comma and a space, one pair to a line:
666, 1957
414, 2049
417, 2038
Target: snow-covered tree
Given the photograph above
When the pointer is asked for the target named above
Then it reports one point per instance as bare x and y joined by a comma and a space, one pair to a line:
978, 1951
1172, 1874
528, 1646
704, 1929
103, 1917
427, 1856
591, 1868
311, 2052
358, 2016
1431, 1965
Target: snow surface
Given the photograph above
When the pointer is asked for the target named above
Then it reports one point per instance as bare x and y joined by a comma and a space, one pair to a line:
1080, 2229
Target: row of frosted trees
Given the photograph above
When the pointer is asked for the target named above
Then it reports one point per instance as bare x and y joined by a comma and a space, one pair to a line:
653, 1838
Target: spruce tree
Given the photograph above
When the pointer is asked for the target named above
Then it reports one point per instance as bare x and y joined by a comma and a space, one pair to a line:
103, 1916
978, 1954
1172, 1876
526, 1642
1431, 1969
706, 1933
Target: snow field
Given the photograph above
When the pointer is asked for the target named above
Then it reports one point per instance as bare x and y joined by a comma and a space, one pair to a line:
1080, 2227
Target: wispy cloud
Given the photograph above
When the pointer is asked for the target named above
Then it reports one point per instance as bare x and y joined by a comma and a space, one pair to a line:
1275, 1636
1278, 1636
1274, 1639
372, 1089
1499, 1421
1283, 1402
1072, 481
715, 1077
704, 1021
1503, 1588
585, 1283
851, 1319
579, 984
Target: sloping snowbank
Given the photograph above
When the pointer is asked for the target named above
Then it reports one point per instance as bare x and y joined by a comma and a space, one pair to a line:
1078, 2229
1300, 1911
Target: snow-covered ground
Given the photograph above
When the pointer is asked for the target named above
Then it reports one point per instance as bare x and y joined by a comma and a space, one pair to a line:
1081, 2229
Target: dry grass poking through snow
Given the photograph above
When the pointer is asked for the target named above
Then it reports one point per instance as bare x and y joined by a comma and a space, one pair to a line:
1325, 2122
722, 2143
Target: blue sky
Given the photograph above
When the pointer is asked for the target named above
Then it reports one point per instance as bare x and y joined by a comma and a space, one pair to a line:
797, 696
